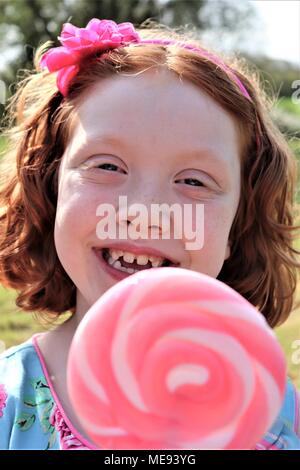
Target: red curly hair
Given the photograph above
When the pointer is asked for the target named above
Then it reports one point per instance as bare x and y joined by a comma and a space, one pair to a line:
263, 263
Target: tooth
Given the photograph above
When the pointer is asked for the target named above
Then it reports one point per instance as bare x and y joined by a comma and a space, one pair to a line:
130, 270
110, 260
117, 264
114, 254
154, 259
142, 259
128, 257
156, 262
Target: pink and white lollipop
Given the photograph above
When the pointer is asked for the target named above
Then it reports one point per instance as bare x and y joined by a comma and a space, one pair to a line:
172, 359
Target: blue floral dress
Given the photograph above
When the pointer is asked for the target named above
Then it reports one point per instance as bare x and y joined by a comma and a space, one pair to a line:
31, 416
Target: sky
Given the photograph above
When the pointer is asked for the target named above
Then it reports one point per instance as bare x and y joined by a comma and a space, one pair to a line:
275, 31
280, 29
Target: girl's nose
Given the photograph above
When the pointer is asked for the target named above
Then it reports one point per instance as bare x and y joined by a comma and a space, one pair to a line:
143, 220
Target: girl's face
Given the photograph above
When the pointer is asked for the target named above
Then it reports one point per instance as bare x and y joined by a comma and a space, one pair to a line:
154, 139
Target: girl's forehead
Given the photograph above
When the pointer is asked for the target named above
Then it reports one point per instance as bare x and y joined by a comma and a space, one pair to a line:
149, 91
152, 105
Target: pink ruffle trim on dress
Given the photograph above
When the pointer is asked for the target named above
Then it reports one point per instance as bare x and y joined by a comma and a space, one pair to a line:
3, 398
67, 439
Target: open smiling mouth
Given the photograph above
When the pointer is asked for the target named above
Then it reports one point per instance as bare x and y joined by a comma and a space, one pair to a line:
130, 263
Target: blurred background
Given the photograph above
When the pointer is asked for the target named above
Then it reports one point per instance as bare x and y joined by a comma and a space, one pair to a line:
265, 32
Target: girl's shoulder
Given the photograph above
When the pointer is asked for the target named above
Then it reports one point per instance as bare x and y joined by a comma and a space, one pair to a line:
284, 433
25, 400
31, 416
290, 408
19, 366
21, 354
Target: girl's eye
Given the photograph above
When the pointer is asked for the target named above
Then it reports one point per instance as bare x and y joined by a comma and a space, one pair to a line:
191, 182
110, 167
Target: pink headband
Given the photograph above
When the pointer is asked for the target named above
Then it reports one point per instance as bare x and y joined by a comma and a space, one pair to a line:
103, 35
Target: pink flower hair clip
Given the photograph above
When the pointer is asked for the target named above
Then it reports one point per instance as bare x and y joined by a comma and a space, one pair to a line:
103, 35
78, 43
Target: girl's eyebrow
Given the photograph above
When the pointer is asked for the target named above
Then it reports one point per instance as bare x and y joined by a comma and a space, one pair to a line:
192, 155
91, 140
106, 139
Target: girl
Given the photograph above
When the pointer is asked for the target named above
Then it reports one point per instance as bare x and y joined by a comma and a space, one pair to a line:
152, 116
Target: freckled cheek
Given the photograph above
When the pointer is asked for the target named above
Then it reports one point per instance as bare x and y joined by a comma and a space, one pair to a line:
76, 218
216, 226
213, 219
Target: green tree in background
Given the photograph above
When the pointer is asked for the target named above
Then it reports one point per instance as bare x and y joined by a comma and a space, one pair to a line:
25, 24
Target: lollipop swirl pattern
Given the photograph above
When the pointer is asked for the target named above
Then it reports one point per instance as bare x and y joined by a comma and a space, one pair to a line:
173, 359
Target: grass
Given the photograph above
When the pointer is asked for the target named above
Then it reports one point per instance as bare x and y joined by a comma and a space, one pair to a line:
288, 335
289, 106
2, 143
15, 326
